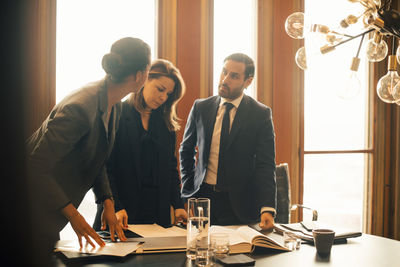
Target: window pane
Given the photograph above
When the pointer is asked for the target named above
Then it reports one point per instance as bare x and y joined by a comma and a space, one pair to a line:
330, 122
85, 32
234, 31
333, 185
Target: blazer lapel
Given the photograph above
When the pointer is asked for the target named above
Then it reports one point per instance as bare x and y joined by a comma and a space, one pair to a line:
103, 106
240, 119
111, 135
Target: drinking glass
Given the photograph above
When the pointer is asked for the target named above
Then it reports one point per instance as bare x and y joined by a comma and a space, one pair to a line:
291, 240
220, 244
197, 227
204, 258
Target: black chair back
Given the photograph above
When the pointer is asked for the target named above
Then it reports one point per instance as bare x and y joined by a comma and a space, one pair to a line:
282, 194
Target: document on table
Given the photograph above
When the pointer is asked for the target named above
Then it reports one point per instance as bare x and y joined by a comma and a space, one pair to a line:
155, 230
120, 249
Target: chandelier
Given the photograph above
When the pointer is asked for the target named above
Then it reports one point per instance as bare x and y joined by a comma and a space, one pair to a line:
378, 21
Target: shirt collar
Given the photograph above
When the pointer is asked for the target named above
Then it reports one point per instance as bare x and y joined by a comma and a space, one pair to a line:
235, 102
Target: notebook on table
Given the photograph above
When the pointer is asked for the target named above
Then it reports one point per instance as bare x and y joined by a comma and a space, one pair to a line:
304, 231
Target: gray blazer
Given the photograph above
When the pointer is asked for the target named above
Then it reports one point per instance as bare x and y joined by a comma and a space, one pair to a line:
67, 154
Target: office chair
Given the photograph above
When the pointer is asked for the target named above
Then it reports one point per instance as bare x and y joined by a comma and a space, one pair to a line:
283, 205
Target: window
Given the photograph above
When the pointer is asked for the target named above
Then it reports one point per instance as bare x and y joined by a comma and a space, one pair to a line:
234, 31
85, 32
336, 148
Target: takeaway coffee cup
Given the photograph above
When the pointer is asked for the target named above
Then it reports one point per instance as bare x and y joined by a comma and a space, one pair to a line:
323, 240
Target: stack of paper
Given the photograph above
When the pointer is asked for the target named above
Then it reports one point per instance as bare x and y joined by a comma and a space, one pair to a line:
155, 230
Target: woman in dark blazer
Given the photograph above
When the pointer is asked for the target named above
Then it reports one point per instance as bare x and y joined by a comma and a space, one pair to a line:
143, 167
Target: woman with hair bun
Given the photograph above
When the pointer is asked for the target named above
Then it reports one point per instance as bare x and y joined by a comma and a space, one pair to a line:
67, 154
142, 167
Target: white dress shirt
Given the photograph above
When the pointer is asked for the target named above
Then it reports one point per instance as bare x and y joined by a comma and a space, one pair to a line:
212, 167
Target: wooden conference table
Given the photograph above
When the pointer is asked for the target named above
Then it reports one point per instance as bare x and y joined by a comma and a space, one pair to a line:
364, 251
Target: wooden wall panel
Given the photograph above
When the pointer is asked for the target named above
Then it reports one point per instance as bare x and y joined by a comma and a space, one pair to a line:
166, 30
287, 97
265, 52
42, 62
188, 56
383, 208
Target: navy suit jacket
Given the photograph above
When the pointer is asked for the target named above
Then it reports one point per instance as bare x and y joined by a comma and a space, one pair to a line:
250, 155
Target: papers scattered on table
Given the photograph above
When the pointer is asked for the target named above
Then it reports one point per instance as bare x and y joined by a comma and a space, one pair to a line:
155, 238
119, 249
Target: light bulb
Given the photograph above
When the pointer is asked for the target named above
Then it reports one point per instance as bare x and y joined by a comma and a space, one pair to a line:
301, 59
352, 86
396, 93
386, 84
315, 46
316, 40
334, 37
398, 53
294, 25
377, 48
320, 29
350, 19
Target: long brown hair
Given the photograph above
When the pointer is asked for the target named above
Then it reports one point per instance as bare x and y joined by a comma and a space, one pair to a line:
163, 68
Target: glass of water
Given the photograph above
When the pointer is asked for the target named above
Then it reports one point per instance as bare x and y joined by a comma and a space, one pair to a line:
291, 240
204, 257
197, 227
220, 244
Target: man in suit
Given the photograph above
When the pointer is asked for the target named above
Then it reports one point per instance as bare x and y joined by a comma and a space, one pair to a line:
235, 165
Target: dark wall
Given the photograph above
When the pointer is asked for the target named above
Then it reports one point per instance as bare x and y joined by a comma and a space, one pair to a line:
18, 247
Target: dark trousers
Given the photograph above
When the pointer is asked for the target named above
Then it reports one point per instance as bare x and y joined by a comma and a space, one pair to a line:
221, 211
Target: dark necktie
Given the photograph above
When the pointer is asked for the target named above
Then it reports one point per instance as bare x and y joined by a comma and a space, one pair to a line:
221, 172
